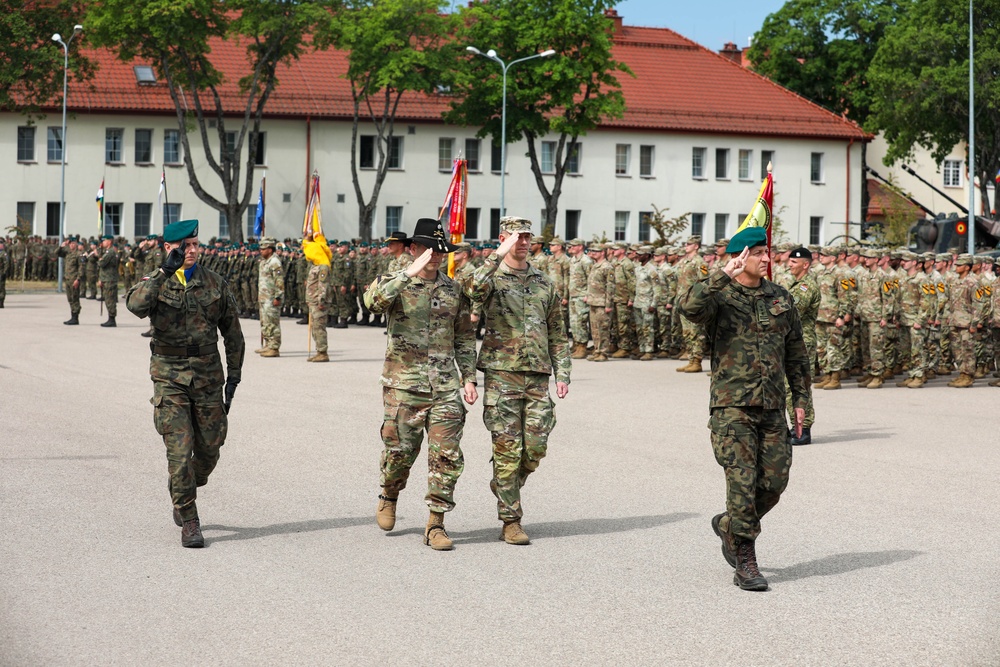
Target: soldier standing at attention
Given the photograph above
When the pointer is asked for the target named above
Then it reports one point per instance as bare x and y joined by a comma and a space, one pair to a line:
317, 287
648, 293
965, 312
600, 293
270, 293
72, 278
189, 305
430, 356
397, 243
107, 265
690, 270
579, 313
757, 342
91, 271
805, 295
624, 295
525, 343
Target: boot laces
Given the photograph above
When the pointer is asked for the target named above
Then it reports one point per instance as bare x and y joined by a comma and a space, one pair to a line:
748, 559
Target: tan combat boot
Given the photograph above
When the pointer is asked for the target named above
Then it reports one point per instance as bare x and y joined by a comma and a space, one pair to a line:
905, 382
601, 357
270, 353
319, 357
621, 353
964, 380
259, 350
385, 514
694, 366
980, 372
833, 382
875, 383
995, 383
435, 535
512, 533
863, 382
916, 383
662, 354
647, 357
929, 375
579, 351
821, 380
943, 370
683, 356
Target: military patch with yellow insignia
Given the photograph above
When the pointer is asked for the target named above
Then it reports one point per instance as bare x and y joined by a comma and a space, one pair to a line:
941, 288
846, 284
854, 282
704, 270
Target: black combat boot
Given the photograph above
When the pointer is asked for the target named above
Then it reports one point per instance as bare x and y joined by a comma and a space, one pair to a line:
341, 323
747, 576
110, 322
74, 319
304, 320
191, 536
806, 438
353, 319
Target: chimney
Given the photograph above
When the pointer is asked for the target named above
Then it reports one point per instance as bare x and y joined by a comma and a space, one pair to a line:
616, 20
732, 52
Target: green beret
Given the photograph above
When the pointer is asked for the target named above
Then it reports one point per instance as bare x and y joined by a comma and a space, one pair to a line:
178, 231
109, 237
347, 243
751, 237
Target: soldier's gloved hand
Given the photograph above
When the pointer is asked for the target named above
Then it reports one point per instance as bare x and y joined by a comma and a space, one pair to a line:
173, 261
230, 391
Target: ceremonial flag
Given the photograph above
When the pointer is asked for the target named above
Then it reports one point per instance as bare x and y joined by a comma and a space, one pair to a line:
452, 213
258, 223
316, 251
997, 179
760, 214
100, 208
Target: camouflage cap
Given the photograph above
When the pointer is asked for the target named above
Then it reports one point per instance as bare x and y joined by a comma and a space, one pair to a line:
785, 247
268, 242
908, 256
829, 251
463, 246
926, 257
976, 259
965, 259
597, 247
538, 239
695, 239
662, 251
721, 243
943, 257
645, 250
555, 240
511, 224
577, 241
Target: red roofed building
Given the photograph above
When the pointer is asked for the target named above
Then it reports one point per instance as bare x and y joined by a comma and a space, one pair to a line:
696, 137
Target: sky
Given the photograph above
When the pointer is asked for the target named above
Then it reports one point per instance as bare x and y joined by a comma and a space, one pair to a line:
711, 23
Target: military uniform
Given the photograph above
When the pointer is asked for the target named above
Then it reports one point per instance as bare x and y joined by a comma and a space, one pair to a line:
965, 312
691, 270
624, 328
579, 312
107, 265
270, 288
4, 268
72, 280
648, 293
318, 298
806, 297
600, 298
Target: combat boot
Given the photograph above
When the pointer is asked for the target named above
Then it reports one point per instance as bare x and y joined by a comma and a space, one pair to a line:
73, 319
694, 366
943, 370
833, 382
929, 375
905, 382
259, 350
747, 576
995, 383
579, 351
863, 382
177, 518
683, 356
620, 353
916, 383
647, 357
512, 533
303, 320
191, 536
875, 383
270, 352
341, 323
962, 381
601, 357
435, 535
821, 380
662, 354
385, 515
728, 549
109, 323
980, 372
319, 357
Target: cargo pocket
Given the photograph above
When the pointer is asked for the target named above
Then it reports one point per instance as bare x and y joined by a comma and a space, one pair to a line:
491, 417
723, 440
161, 419
389, 431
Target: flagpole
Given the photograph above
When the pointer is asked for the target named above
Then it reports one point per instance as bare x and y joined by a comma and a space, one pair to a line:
263, 207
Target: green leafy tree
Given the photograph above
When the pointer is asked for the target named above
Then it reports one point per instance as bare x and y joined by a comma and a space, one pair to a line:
394, 48
176, 37
31, 64
920, 83
559, 98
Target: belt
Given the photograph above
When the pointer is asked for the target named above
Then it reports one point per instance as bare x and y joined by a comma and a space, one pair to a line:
189, 351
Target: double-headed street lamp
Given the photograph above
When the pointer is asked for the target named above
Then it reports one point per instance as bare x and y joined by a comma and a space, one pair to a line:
77, 29
492, 55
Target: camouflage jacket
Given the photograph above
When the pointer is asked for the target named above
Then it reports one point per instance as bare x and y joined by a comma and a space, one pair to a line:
271, 280
966, 303
525, 331
559, 274
108, 265
601, 284
318, 285
429, 332
805, 295
579, 270
72, 267
399, 263
756, 341
690, 270
187, 316
153, 259
833, 290
668, 281
540, 262
849, 284
648, 287
624, 280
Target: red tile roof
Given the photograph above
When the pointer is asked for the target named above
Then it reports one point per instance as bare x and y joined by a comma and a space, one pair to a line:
679, 86
883, 202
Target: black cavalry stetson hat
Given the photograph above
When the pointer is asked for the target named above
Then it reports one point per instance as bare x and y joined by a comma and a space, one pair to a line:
430, 234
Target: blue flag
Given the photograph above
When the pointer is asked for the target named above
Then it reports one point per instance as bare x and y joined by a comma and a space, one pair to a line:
258, 223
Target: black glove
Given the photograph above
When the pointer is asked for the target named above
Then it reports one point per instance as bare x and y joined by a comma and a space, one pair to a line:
229, 393
173, 261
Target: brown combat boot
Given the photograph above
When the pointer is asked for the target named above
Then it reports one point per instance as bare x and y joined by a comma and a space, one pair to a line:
905, 382
579, 351
980, 370
270, 353
875, 383
863, 382
930, 375
620, 354
821, 380
747, 576
191, 536
943, 370
435, 535
512, 533
683, 356
601, 357
647, 357
662, 354
833, 382
385, 514
728, 548
995, 383
259, 350
319, 357
916, 383
962, 381
694, 366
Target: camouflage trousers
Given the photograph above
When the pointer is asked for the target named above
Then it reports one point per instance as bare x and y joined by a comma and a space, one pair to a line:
933, 345
831, 337
916, 357
810, 418
676, 328
645, 329
343, 303
983, 345
109, 292
519, 415
407, 415
962, 347
317, 327
892, 346
694, 338
600, 329
752, 446
3, 288
874, 342
579, 320
664, 334
624, 326
91, 286
193, 425
995, 336
270, 324
73, 296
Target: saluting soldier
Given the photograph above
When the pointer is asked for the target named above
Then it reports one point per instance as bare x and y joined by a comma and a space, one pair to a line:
72, 278
107, 265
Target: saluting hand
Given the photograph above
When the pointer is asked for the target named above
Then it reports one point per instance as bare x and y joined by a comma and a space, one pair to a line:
417, 265
507, 245
737, 264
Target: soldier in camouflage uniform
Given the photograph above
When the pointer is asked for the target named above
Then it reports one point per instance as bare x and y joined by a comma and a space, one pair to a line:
270, 292
107, 265
319, 255
91, 271
874, 311
756, 342
600, 300
429, 365
525, 343
690, 270
918, 308
341, 278
805, 294
648, 293
72, 278
537, 257
189, 306
624, 327
558, 272
966, 310
579, 312
665, 343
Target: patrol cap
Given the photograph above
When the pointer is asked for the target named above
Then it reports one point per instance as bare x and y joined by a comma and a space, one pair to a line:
178, 231
512, 224
537, 239
721, 243
268, 242
463, 246
965, 259
751, 237
943, 257
976, 259
829, 251
662, 251
644, 250
927, 257
908, 256
597, 247
556, 241
577, 241
785, 247
696, 239
800, 253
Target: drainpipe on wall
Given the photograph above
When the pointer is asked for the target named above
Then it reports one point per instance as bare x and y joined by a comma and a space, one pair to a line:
847, 213
308, 156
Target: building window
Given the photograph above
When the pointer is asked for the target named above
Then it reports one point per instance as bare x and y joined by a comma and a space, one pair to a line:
260, 154
548, 157
647, 156
698, 162
143, 146
171, 213
114, 144
623, 156
143, 217
52, 210
223, 225
766, 158
251, 218
697, 223
815, 229
26, 217
496, 158
494, 223
171, 147
55, 144
722, 163
113, 219
621, 225
816, 168
746, 162
446, 153
472, 223
395, 157
952, 174
721, 222
572, 225
393, 219
472, 154
230, 143
366, 152
644, 226
25, 144
573, 161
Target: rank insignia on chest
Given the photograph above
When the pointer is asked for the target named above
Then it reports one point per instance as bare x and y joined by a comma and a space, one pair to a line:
435, 303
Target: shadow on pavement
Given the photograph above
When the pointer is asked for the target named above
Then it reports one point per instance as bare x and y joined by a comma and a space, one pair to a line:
839, 564
853, 435
238, 533
80, 457
541, 531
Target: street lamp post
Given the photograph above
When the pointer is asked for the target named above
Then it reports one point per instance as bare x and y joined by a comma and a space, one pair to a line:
492, 55
77, 29
971, 227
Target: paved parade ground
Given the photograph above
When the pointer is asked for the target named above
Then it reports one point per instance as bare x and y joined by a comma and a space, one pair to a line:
880, 552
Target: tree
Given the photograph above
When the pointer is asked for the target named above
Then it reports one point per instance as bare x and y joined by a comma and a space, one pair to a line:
563, 97
920, 83
666, 227
31, 64
394, 48
177, 37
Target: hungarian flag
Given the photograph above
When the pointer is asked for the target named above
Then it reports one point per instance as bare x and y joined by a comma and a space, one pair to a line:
100, 208
258, 223
760, 214
318, 250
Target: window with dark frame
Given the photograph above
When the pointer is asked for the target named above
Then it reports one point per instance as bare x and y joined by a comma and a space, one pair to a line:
494, 223
26, 217
572, 224
722, 163
114, 144
815, 229
143, 218
52, 210
260, 154
171, 147
143, 146
472, 154
472, 223
647, 155
697, 223
26, 144
113, 219
366, 151
54, 144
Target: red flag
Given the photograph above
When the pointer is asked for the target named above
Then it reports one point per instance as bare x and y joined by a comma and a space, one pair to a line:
453, 211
